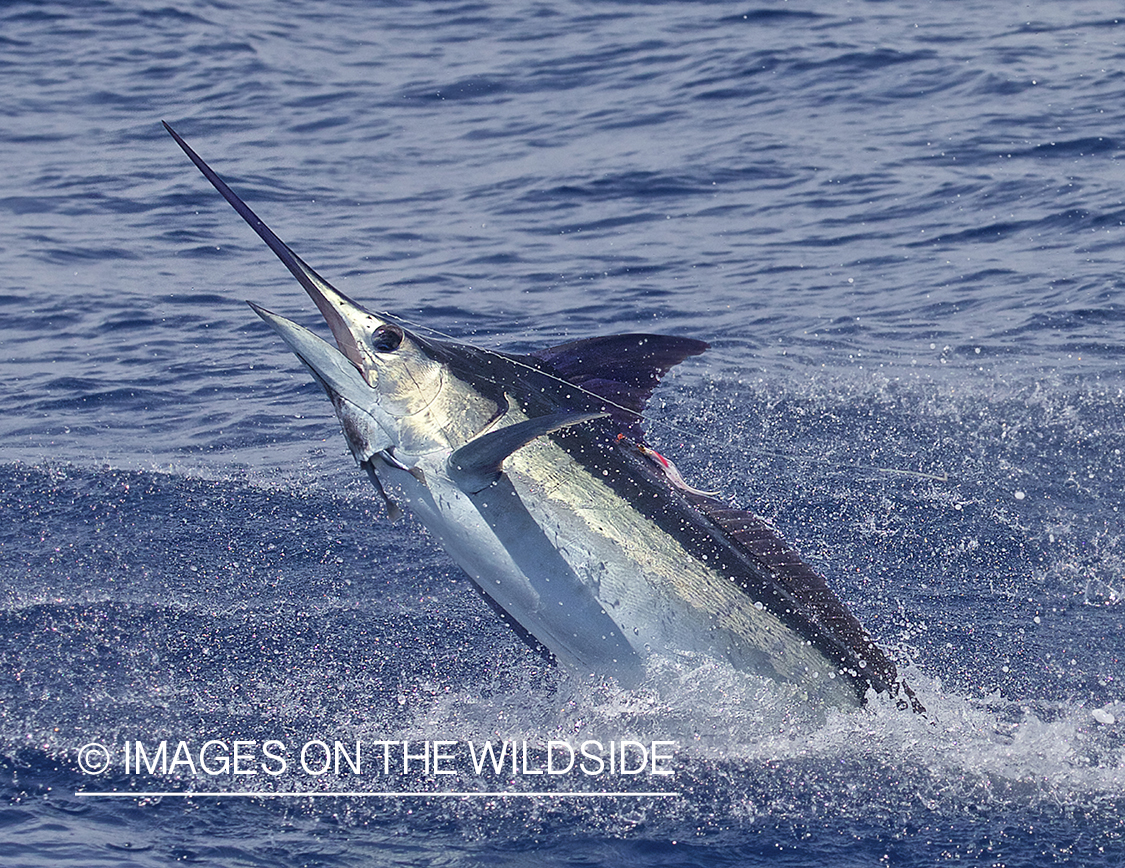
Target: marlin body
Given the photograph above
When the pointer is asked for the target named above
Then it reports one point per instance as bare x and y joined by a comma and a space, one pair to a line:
533, 473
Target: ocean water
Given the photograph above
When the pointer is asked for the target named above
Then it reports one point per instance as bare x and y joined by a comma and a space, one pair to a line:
898, 224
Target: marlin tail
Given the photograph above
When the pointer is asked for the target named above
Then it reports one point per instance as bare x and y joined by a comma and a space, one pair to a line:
533, 473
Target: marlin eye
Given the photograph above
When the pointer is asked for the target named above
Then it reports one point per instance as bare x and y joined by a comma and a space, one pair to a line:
386, 339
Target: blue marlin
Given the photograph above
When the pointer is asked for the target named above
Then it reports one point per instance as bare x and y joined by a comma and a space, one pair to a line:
533, 472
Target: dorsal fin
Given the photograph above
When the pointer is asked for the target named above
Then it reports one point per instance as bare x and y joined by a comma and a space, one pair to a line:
807, 587
622, 369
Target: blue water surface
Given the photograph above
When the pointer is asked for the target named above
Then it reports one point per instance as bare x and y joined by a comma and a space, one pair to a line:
899, 225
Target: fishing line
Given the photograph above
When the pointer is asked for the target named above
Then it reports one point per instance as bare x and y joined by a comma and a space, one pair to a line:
659, 423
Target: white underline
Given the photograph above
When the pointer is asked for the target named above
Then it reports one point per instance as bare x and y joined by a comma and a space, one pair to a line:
188, 794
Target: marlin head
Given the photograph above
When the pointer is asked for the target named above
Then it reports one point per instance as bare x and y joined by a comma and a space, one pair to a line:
395, 374
392, 361
368, 428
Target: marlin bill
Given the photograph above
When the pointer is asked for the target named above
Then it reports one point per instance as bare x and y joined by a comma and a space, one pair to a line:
533, 472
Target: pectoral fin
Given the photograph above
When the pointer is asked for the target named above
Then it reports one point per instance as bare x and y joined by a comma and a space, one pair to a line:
477, 464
